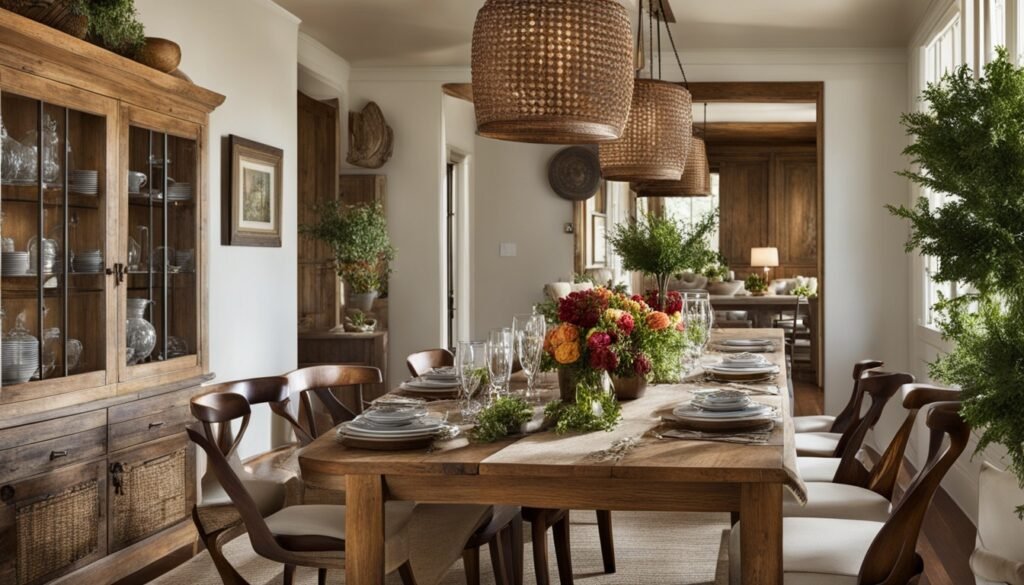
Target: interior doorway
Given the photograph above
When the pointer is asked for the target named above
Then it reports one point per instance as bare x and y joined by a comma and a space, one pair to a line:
456, 235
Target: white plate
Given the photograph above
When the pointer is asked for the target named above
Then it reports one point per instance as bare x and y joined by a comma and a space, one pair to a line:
423, 426
722, 369
430, 384
752, 410
721, 407
745, 342
393, 418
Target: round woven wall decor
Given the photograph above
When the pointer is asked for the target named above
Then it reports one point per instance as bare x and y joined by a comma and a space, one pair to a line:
552, 71
657, 138
575, 173
695, 182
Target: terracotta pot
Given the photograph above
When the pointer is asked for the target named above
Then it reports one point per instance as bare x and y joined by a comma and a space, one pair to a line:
567, 384
160, 54
629, 388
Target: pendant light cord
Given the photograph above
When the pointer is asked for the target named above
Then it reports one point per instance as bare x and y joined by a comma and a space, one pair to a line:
661, 5
650, 33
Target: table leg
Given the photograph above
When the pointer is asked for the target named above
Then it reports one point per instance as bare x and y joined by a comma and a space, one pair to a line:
364, 528
761, 536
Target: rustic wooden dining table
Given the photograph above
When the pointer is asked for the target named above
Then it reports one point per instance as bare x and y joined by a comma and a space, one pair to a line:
630, 468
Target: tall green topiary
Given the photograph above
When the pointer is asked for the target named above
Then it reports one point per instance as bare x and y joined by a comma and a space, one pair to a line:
970, 145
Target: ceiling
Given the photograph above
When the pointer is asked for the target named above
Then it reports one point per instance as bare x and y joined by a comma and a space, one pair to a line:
395, 33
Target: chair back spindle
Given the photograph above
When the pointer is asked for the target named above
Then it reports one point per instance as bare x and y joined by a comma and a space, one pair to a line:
880, 387
325, 382
851, 413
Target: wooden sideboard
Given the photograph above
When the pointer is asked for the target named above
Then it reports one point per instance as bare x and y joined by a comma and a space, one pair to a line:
97, 478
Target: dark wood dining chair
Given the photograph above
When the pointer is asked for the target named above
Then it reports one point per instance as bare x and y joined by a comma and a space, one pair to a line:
852, 491
215, 516
851, 413
880, 387
829, 550
424, 361
302, 535
541, 520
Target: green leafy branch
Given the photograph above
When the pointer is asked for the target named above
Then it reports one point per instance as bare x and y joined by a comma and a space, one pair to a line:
503, 417
594, 410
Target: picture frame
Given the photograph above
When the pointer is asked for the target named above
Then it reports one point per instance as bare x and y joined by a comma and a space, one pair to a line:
252, 199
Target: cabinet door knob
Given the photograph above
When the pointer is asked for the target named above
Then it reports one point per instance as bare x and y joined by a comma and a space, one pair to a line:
57, 454
6, 493
156, 425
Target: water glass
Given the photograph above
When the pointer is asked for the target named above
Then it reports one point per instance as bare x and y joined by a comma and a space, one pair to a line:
700, 318
470, 360
500, 353
529, 331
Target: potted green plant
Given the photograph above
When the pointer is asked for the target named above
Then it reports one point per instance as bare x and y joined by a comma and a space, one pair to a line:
660, 246
970, 145
113, 25
756, 284
358, 236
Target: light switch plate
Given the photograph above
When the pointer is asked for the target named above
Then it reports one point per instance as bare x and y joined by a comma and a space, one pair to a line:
507, 249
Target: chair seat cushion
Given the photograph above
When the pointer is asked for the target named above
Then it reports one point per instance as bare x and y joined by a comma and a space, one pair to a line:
269, 494
817, 444
813, 424
329, 521
989, 567
817, 468
837, 500
815, 551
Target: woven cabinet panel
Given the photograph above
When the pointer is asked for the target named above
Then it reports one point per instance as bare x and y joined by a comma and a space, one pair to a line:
153, 496
55, 532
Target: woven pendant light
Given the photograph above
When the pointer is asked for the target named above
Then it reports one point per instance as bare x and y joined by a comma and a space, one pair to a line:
657, 138
552, 71
695, 182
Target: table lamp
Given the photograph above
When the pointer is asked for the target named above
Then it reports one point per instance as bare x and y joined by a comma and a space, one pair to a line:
765, 257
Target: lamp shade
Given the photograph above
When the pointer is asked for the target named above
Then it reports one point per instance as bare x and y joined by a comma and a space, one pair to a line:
657, 138
552, 71
695, 181
767, 257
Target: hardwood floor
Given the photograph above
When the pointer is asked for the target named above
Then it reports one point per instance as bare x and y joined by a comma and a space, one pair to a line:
947, 537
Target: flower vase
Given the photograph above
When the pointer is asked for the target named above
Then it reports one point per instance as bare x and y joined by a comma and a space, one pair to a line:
629, 388
567, 379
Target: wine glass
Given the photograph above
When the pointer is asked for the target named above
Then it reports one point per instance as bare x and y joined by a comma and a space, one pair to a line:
500, 352
529, 333
699, 318
469, 359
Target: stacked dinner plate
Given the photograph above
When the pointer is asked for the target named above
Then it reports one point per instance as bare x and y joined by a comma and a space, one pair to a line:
745, 345
14, 263
20, 359
85, 182
432, 383
722, 410
88, 261
392, 428
179, 192
743, 367
441, 375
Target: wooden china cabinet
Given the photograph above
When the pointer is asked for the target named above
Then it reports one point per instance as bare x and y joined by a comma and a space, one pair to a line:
104, 232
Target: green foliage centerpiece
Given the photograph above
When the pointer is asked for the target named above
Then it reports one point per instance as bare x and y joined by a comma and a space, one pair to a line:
970, 145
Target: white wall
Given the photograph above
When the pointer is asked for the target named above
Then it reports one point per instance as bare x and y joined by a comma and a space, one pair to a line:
246, 50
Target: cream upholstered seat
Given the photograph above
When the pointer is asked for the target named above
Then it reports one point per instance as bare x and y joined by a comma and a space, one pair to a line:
850, 414
837, 500
816, 551
999, 552
821, 423
817, 444
817, 468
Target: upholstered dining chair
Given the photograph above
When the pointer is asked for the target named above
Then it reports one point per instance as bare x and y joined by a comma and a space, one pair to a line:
215, 516
852, 491
422, 362
829, 551
880, 387
302, 535
998, 556
848, 417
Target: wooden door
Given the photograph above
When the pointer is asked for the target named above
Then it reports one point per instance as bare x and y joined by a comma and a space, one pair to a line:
796, 213
162, 245
743, 203
151, 487
318, 294
52, 524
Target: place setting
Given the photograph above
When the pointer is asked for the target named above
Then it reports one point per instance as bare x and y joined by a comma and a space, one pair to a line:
744, 346
395, 424
745, 367
443, 381
718, 414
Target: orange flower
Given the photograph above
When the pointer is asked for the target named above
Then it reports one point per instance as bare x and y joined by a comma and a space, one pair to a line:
567, 353
570, 334
551, 341
658, 321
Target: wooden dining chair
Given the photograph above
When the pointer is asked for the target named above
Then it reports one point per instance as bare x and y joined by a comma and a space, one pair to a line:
302, 535
541, 520
215, 516
852, 491
850, 415
424, 361
880, 387
861, 552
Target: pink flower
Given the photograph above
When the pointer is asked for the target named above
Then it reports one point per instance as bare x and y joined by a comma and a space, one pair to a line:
642, 365
598, 341
626, 324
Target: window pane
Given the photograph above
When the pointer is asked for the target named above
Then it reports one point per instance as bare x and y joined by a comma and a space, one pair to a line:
997, 26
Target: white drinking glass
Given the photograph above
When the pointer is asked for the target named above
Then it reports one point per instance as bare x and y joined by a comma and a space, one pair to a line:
529, 331
500, 352
470, 360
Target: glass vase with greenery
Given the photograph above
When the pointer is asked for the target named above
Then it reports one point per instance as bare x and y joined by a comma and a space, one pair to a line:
969, 144
661, 246
358, 236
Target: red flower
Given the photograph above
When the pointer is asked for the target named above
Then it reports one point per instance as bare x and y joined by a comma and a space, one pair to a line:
599, 341
603, 358
626, 324
642, 365
582, 308
673, 301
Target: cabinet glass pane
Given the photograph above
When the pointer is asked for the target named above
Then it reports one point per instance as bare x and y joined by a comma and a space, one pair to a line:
52, 177
162, 290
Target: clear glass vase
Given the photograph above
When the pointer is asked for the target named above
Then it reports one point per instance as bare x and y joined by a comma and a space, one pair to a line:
140, 333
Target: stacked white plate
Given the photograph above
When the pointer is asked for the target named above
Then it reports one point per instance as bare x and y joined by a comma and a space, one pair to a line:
742, 370
722, 410
425, 385
720, 400
14, 263
391, 429
20, 360
179, 192
441, 375
85, 182
88, 261
745, 345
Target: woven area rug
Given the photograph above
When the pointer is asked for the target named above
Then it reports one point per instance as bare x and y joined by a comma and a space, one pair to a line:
663, 548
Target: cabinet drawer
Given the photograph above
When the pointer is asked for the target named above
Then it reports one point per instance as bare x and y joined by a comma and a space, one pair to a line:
147, 406
155, 426
35, 458
51, 429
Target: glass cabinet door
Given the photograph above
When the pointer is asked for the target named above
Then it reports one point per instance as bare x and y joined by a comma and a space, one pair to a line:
162, 301
54, 225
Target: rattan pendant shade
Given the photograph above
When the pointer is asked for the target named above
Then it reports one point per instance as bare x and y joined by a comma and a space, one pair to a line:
695, 182
552, 71
657, 138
